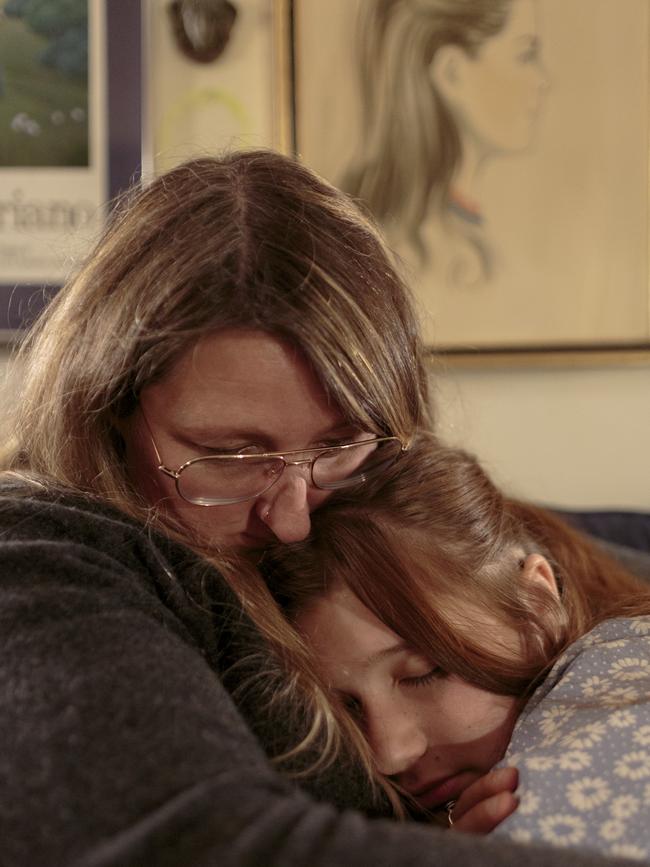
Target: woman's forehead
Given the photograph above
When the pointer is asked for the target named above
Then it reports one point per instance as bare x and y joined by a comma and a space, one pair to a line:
245, 380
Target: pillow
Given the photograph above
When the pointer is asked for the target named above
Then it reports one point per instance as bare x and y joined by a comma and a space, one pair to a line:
582, 746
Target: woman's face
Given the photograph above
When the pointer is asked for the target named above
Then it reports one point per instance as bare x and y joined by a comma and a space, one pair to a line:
434, 734
236, 390
498, 92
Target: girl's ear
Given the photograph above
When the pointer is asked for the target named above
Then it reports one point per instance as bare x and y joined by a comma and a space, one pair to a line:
536, 570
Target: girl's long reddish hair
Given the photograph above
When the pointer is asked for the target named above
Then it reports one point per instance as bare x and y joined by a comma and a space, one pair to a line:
438, 547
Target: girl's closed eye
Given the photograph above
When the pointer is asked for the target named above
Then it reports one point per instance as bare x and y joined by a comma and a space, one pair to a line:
416, 670
434, 674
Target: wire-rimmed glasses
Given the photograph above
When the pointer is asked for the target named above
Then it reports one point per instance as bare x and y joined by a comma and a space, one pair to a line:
226, 479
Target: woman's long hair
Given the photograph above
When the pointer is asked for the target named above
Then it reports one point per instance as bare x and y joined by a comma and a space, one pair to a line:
250, 240
411, 146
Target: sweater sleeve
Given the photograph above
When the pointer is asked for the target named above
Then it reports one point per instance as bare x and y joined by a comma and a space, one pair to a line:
121, 746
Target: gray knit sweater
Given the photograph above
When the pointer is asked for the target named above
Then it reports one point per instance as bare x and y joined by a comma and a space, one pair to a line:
120, 744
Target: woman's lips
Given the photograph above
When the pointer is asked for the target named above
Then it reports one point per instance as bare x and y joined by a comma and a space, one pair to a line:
438, 792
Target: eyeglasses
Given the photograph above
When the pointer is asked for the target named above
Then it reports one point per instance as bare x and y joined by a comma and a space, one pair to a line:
222, 480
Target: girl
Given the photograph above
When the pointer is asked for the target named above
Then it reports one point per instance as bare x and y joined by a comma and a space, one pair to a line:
435, 608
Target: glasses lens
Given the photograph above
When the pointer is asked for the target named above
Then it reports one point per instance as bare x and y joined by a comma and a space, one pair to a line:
352, 465
222, 481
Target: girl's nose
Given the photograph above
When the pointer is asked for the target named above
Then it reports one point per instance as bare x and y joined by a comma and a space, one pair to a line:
397, 743
285, 508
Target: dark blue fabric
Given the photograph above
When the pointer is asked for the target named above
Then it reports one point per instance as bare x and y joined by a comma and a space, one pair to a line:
631, 529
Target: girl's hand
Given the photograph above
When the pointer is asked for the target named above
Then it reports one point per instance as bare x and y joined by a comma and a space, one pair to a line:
487, 802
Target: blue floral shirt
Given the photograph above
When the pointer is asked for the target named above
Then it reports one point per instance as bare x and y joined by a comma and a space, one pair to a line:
582, 746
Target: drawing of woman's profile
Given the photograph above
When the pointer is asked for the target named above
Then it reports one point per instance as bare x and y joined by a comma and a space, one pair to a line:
447, 86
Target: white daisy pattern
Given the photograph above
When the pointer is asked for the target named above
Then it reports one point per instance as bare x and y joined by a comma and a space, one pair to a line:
529, 803
554, 718
587, 793
540, 763
586, 736
624, 806
613, 829
621, 719
620, 696
574, 760
642, 736
582, 747
563, 830
634, 766
630, 669
595, 685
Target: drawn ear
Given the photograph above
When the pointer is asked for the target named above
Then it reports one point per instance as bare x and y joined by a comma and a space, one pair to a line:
536, 570
446, 70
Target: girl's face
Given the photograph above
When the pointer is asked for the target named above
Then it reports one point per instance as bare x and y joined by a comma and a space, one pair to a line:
498, 93
433, 734
236, 391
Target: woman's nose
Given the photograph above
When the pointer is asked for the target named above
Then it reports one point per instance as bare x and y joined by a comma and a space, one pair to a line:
397, 742
285, 507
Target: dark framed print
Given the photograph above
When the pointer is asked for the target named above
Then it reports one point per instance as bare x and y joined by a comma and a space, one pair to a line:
70, 138
502, 145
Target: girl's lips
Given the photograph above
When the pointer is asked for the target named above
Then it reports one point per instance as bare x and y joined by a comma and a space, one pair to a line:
439, 792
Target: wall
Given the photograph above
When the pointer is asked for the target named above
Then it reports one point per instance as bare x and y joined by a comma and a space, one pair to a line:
578, 437
571, 437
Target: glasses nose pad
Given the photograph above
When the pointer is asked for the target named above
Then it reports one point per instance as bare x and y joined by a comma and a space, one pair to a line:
303, 466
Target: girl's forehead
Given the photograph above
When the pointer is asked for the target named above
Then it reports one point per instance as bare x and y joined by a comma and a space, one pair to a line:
344, 633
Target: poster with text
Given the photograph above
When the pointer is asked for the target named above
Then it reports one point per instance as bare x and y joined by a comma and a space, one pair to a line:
55, 146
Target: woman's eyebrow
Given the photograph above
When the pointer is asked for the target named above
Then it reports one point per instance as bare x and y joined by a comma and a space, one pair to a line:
206, 433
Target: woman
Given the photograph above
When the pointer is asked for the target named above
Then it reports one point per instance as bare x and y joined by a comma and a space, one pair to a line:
447, 85
239, 316
435, 608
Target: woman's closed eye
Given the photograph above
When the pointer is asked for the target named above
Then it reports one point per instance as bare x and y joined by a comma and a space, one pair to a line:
351, 704
248, 449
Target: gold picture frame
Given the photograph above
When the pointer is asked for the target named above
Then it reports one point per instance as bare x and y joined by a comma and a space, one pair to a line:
567, 208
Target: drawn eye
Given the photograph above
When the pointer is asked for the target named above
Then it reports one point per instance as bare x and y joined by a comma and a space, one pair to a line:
530, 55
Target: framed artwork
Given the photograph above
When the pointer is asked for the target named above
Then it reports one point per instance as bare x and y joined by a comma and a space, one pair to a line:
70, 138
237, 97
504, 152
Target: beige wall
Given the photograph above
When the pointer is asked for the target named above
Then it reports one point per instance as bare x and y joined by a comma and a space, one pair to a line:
575, 437
572, 437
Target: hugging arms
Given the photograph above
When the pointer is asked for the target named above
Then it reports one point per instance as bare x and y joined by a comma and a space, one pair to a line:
237, 330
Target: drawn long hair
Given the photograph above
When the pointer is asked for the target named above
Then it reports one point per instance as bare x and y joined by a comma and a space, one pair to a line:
411, 146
